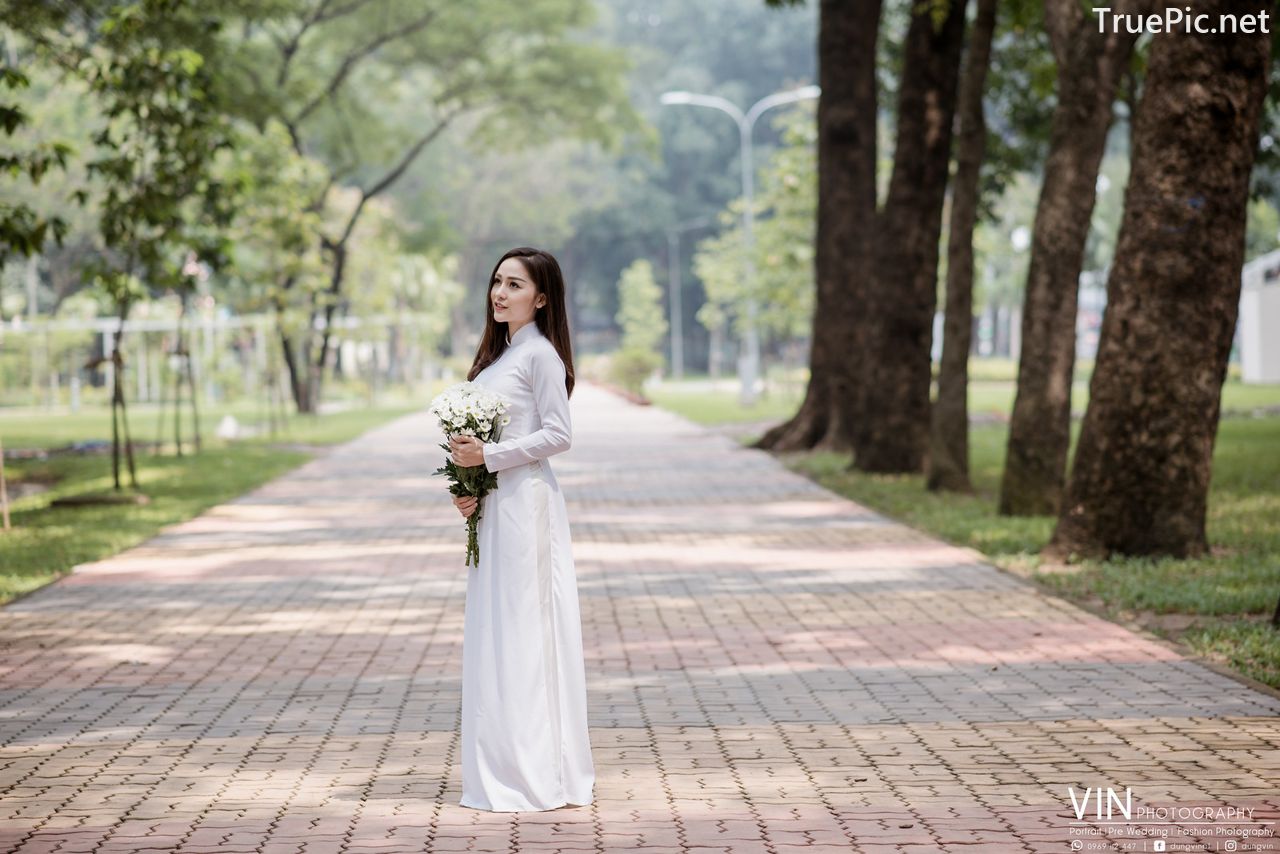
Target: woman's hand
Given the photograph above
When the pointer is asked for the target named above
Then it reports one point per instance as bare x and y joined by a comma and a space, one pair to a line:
467, 451
466, 504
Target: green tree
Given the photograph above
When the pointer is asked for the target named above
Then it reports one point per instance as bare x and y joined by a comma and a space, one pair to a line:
1263, 234
948, 458
1140, 476
643, 326
23, 230
846, 211
783, 250
412, 294
162, 206
1091, 66
58, 106
366, 87
150, 66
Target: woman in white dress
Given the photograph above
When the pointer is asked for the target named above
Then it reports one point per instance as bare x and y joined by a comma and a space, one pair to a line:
525, 744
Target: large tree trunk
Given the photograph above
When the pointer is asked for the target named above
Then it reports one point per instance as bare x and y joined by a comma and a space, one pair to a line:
846, 213
1090, 65
948, 463
1140, 480
892, 430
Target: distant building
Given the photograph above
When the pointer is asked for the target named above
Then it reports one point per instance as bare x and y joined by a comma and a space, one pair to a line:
1258, 329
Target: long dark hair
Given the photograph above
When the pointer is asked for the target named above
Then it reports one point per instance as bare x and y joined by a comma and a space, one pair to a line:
552, 319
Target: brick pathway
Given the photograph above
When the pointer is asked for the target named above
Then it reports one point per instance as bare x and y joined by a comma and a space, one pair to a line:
771, 669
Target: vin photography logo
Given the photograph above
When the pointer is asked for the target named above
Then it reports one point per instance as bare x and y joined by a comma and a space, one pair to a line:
1106, 818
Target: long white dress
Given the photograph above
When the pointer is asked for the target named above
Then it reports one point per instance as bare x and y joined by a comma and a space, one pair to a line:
525, 744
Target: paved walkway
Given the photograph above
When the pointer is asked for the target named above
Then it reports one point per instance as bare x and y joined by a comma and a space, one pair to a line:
771, 669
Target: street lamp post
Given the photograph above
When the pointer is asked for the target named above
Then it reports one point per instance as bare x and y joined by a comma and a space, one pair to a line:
749, 361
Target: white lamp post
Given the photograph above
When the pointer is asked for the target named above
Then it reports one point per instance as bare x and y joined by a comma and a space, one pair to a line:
749, 362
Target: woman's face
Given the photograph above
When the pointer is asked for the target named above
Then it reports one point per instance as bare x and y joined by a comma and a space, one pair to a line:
513, 294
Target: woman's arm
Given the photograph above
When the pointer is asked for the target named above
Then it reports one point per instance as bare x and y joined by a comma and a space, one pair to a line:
552, 402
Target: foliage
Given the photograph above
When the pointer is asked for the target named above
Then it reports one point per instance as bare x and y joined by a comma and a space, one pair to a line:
783, 244
22, 230
366, 88
740, 51
644, 327
640, 311
1019, 101
275, 232
1263, 233
630, 368
159, 210
161, 203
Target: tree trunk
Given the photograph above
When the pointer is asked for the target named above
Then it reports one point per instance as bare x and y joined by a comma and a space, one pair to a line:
1090, 65
948, 465
336, 276
846, 213
298, 384
120, 436
299, 376
892, 428
1140, 480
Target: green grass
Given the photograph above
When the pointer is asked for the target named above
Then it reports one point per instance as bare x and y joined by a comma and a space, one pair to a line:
1217, 605
1247, 646
717, 406
34, 428
47, 541
37, 428
991, 393
1238, 397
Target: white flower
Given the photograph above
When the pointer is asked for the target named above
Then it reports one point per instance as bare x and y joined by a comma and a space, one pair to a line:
469, 409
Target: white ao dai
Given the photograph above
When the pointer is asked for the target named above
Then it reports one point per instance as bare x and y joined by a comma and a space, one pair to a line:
525, 744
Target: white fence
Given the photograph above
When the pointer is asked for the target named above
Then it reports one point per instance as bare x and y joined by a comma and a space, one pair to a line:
242, 351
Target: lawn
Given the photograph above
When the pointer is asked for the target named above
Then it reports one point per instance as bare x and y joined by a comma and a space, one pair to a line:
991, 393
33, 427
46, 541
1218, 606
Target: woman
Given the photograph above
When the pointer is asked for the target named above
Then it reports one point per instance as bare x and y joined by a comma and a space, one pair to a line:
524, 699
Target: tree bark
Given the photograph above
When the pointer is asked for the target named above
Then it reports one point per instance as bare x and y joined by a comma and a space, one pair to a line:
846, 213
892, 429
120, 436
1090, 65
948, 459
336, 274
299, 385
1140, 480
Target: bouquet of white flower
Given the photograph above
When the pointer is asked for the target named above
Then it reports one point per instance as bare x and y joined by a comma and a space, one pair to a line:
469, 409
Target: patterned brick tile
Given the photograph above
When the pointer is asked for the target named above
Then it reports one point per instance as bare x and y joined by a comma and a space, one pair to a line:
771, 669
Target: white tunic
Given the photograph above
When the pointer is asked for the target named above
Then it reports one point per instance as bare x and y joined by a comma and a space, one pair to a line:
525, 744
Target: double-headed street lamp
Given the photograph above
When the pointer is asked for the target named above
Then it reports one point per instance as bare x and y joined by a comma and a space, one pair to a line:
749, 361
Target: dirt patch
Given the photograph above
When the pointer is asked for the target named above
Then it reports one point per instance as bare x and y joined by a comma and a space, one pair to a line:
26, 488
1169, 625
